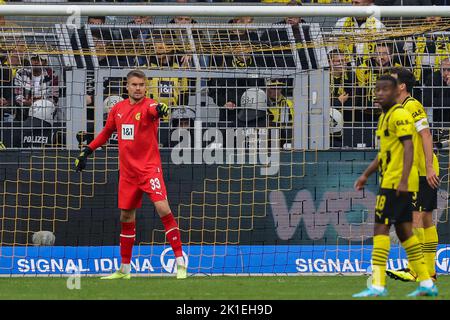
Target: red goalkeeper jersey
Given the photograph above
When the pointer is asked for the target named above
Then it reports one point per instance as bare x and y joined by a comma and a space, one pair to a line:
137, 131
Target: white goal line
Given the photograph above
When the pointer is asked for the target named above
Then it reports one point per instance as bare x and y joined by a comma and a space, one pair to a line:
155, 275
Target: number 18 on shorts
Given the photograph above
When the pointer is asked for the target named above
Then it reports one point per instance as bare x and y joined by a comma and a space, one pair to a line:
391, 209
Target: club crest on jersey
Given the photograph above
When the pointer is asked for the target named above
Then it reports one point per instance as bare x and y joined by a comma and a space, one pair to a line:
138, 116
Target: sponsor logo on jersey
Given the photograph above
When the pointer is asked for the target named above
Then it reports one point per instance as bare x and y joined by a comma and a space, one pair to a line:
402, 122
138, 116
417, 113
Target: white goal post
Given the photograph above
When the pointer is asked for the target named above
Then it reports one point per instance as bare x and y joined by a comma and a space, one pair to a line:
222, 10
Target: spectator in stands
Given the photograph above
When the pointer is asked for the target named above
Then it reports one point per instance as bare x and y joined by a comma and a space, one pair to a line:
253, 110
227, 92
112, 87
137, 33
281, 109
429, 51
6, 81
136, 38
181, 118
36, 90
282, 1
242, 42
241, 20
141, 20
80, 43
384, 57
180, 39
183, 20
342, 93
368, 72
96, 20
342, 80
103, 49
360, 26
437, 94
280, 38
172, 91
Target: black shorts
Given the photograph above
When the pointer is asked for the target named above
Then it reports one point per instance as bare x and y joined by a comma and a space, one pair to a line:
426, 199
390, 209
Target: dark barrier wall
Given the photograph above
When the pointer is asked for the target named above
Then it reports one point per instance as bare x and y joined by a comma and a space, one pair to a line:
310, 200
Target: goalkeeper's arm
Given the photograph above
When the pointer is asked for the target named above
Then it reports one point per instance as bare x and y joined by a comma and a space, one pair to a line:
104, 135
158, 110
162, 109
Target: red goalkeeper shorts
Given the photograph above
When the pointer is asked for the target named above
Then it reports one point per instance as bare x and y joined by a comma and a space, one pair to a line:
131, 190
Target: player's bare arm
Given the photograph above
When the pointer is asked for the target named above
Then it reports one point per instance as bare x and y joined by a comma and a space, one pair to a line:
361, 181
408, 156
427, 143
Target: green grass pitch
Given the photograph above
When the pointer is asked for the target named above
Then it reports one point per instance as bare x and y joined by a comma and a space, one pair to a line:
205, 288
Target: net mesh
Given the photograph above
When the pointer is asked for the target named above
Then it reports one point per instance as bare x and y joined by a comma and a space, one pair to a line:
270, 123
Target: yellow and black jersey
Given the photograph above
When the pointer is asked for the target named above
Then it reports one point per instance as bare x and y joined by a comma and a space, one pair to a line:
394, 126
279, 1
166, 90
367, 75
420, 122
436, 45
282, 111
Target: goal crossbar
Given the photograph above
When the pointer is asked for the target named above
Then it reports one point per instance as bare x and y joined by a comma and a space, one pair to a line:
222, 10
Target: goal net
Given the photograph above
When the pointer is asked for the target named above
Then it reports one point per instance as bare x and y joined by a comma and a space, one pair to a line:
271, 121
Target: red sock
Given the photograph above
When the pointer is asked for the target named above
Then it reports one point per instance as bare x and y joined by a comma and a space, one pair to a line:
127, 236
173, 234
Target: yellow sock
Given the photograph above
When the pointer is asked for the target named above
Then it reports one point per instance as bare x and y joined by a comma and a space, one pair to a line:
380, 253
429, 249
415, 258
420, 234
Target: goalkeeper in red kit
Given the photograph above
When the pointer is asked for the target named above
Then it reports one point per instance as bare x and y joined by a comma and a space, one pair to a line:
136, 121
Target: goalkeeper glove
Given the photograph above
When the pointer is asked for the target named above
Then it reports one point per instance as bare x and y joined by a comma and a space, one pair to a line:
162, 109
80, 162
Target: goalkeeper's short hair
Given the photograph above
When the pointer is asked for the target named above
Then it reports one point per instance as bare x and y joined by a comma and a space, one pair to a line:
136, 73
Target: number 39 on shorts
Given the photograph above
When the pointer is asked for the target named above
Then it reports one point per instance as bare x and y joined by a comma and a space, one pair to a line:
381, 201
155, 184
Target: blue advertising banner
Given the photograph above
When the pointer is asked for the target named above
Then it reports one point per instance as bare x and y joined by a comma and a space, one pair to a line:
159, 260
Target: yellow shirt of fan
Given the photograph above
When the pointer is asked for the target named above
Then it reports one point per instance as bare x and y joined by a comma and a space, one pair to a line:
282, 111
279, 1
166, 90
420, 122
394, 126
